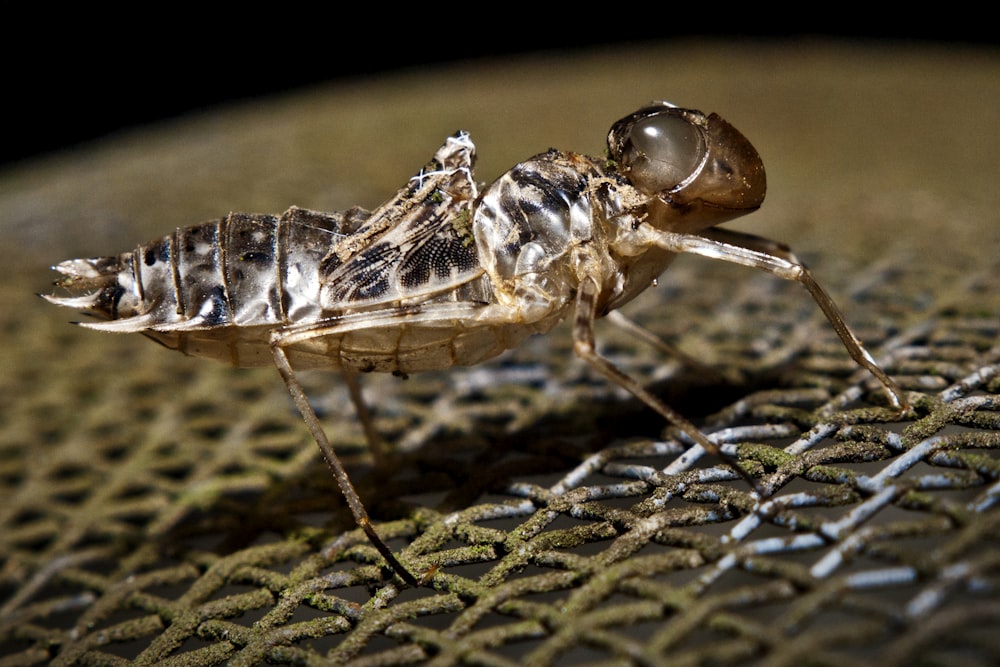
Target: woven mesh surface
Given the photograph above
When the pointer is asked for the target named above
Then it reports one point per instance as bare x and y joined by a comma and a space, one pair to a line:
160, 509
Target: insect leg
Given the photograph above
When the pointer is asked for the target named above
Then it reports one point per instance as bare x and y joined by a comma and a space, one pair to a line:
777, 259
364, 416
296, 338
333, 461
583, 345
626, 323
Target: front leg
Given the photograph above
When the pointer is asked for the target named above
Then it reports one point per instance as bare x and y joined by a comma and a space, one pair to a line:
777, 259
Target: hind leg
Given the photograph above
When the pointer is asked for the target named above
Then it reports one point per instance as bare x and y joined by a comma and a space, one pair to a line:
333, 462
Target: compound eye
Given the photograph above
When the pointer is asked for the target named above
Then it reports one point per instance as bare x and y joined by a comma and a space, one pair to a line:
663, 151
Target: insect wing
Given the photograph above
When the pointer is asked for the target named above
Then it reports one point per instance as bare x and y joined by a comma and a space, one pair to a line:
418, 244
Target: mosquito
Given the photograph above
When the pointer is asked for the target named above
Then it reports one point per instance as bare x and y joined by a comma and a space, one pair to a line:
443, 274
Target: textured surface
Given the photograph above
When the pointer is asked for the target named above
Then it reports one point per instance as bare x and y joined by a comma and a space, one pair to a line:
156, 507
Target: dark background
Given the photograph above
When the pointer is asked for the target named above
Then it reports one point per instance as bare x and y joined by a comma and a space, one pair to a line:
74, 78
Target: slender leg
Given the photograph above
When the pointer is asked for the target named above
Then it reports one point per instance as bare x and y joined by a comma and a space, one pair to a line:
365, 417
583, 345
642, 333
333, 462
778, 260
291, 336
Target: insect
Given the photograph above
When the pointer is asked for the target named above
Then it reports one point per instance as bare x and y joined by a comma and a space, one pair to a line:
445, 275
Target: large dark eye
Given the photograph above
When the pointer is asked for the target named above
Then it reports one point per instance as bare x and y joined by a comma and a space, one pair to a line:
662, 152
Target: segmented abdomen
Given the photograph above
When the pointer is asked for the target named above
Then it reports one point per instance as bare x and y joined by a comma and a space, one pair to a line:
245, 274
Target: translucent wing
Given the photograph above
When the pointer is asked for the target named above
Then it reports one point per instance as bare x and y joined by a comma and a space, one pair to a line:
419, 243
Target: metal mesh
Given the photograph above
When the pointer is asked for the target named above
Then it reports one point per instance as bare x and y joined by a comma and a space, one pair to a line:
142, 522
161, 509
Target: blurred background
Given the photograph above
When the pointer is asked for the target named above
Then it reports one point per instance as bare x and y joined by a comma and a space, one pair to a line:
74, 76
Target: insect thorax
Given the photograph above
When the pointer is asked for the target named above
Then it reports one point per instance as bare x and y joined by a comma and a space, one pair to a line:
526, 224
539, 221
